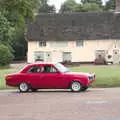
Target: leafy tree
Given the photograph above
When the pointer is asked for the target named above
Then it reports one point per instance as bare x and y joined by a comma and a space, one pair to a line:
45, 8
87, 5
98, 2
91, 7
79, 8
19, 10
6, 30
14, 15
69, 6
5, 55
110, 5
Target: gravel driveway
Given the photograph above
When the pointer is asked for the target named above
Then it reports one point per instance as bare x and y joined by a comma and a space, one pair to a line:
94, 104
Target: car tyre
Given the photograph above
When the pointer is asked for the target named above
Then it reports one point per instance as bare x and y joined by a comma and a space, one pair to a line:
76, 86
23, 87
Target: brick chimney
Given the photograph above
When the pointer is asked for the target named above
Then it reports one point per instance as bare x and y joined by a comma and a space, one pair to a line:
118, 5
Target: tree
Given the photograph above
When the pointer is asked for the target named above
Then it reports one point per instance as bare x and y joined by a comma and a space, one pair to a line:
19, 10
98, 2
87, 5
5, 55
45, 8
91, 7
79, 8
13, 18
68, 6
110, 5
6, 30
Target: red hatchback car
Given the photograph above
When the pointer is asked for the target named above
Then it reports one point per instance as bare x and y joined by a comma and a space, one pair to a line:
49, 76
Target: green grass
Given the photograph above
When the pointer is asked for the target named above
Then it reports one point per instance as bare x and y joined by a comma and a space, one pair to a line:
3, 72
106, 76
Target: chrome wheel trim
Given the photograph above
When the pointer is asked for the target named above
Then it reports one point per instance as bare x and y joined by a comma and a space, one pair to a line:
23, 87
76, 86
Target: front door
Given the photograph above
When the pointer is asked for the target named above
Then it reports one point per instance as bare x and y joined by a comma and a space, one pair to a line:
50, 77
67, 57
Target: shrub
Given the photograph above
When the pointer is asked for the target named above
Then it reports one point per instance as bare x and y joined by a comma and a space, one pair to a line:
5, 55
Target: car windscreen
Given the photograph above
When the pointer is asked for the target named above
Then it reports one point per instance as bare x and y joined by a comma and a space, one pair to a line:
61, 67
22, 67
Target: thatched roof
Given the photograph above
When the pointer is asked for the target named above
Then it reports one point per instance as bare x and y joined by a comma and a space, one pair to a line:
75, 26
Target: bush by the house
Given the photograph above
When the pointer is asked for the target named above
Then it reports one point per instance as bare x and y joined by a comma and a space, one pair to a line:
5, 55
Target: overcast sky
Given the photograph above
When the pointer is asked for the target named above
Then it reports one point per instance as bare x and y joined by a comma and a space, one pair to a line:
58, 3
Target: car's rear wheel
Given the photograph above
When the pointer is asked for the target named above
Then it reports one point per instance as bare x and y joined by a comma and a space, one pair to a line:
76, 86
23, 87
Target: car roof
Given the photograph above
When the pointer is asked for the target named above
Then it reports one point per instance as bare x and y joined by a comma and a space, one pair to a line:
42, 63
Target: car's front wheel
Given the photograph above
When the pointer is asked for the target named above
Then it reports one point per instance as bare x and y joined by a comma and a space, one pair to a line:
76, 86
23, 87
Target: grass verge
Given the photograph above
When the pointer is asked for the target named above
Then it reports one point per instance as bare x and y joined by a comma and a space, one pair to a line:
3, 72
106, 76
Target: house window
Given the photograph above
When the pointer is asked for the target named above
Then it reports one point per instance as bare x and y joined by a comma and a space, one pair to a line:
42, 56
39, 56
79, 43
42, 43
100, 54
67, 56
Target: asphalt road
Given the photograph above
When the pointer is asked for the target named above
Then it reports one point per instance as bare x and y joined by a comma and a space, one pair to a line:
94, 104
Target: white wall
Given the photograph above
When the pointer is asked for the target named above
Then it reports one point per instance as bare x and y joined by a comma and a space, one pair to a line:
79, 54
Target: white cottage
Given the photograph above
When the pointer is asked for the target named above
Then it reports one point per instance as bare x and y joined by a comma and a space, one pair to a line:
75, 37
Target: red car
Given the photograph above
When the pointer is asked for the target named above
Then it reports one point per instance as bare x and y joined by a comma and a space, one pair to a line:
49, 76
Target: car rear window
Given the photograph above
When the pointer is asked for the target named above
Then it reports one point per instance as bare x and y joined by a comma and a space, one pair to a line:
48, 69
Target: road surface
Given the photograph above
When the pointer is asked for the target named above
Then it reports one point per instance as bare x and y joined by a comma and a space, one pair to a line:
94, 104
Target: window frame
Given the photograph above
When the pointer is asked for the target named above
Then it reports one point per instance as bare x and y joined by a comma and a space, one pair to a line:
79, 44
42, 43
100, 54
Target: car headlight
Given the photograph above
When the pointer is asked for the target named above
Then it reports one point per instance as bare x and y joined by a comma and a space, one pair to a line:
91, 78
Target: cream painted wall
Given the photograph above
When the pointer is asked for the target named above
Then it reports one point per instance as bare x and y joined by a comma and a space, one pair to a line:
82, 54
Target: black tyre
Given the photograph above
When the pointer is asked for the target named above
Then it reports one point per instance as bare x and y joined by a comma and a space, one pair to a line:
23, 87
76, 86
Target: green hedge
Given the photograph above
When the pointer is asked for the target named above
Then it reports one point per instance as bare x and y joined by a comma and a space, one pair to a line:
5, 55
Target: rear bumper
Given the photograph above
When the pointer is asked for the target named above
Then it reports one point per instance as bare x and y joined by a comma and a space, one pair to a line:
10, 83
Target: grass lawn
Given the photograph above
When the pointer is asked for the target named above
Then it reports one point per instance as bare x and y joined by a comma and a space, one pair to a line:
3, 73
106, 76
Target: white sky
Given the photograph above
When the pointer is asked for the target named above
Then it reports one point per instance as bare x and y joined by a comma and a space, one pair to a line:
58, 3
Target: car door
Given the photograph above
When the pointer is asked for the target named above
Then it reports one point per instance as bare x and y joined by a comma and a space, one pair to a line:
50, 77
33, 76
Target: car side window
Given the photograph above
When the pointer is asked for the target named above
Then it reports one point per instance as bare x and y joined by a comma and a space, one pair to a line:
34, 69
48, 69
